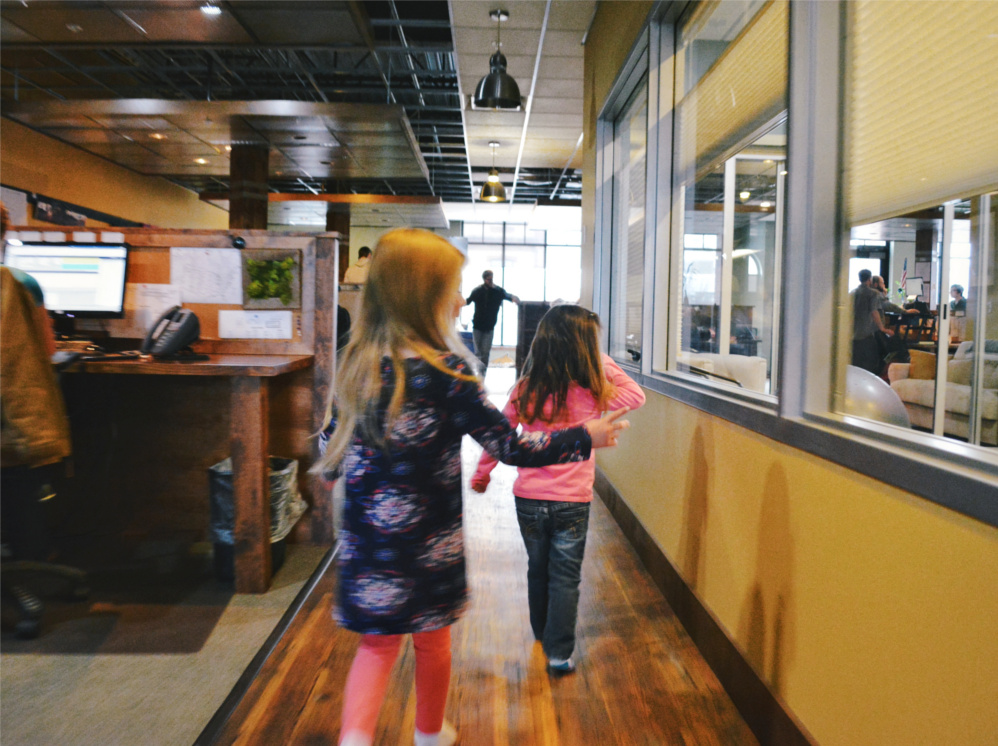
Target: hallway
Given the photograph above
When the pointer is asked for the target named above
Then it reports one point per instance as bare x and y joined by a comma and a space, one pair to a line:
640, 679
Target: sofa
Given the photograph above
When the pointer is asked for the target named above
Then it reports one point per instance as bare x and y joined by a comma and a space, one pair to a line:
748, 370
915, 383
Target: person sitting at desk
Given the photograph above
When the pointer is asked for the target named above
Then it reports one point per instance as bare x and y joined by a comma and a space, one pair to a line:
886, 306
892, 347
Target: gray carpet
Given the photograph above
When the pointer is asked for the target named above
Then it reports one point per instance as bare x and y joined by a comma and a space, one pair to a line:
147, 660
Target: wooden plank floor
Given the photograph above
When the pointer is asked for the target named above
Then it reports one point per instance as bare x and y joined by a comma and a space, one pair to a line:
640, 679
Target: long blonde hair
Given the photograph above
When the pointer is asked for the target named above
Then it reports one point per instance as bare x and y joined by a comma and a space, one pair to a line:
407, 306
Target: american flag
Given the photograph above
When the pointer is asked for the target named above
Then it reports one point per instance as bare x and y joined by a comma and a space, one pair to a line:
903, 285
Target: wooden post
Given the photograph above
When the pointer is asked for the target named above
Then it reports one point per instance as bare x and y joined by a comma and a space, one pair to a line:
339, 220
251, 482
326, 304
248, 172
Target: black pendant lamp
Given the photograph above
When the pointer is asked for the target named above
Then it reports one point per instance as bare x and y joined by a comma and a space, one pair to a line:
492, 189
497, 90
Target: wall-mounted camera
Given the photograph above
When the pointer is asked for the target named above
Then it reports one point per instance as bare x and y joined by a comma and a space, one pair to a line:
238, 242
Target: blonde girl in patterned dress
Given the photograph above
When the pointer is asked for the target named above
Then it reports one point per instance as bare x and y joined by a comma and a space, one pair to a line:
406, 393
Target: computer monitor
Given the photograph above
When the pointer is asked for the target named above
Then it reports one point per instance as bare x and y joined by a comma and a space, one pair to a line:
78, 280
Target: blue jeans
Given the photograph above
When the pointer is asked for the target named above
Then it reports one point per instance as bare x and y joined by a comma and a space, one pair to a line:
483, 345
554, 534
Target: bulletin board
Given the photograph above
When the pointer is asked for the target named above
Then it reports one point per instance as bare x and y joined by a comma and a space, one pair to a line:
258, 298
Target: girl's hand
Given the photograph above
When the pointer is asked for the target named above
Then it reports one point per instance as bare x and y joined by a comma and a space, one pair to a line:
480, 483
604, 431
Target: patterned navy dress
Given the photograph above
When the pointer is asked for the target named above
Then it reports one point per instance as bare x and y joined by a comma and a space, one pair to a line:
401, 561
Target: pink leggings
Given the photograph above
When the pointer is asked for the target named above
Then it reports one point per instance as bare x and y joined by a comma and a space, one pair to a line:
368, 680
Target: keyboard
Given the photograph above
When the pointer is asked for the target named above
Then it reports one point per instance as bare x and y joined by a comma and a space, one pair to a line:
75, 345
95, 356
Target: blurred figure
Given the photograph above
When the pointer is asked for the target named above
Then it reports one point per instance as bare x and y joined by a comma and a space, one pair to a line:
959, 304
342, 327
488, 298
357, 273
892, 348
39, 315
866, 322
886, 306
34, 430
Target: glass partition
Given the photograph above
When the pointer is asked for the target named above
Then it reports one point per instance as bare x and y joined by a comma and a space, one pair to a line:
927, 359
627, 254
730, 156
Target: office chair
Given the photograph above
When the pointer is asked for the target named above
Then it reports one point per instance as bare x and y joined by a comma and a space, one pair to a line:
21, 575
25, 539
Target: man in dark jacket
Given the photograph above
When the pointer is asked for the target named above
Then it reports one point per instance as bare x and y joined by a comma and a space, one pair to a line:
488, 298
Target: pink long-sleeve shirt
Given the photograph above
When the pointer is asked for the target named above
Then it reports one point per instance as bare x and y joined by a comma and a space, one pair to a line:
566, 482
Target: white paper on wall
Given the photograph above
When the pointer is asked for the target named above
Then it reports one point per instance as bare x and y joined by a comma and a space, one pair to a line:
144, 304
207, 275
254, 324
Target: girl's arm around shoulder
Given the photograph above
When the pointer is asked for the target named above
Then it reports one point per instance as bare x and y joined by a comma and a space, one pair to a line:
628, 393
486, 463
471, 413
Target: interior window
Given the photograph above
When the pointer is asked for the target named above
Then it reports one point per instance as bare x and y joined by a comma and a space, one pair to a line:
920, 209
731, 169
627, 240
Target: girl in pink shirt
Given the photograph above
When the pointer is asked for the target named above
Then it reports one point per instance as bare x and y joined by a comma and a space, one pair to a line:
566, 381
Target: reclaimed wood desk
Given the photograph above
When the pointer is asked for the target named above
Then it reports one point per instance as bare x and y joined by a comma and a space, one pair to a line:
249, 440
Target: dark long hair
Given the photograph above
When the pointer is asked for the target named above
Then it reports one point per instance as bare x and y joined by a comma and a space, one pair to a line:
565, 351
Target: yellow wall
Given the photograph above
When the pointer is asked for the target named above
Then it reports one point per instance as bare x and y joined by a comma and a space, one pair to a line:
872, 613
36, 163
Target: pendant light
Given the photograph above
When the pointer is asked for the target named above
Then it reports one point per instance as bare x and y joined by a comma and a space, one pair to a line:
497, 90
492, 189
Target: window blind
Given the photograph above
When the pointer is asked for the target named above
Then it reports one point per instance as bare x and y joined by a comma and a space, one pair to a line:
921, 105
745, 88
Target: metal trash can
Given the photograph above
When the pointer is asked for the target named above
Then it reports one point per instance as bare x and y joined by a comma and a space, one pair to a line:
286, 507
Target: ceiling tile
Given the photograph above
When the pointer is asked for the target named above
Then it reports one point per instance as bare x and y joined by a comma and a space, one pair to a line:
303, 27
188, 25
55, 22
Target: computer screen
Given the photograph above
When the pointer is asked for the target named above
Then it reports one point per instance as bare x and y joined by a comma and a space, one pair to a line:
85, 280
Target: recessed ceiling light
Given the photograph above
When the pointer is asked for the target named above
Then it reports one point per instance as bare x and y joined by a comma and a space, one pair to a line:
211, 10
228, 148
202, 161
744, 195
157, 136
765, 205
768, 161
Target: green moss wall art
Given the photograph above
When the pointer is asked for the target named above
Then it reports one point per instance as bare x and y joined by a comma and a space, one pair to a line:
271, 278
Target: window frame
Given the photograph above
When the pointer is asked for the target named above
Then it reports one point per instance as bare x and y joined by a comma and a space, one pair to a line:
639, 69
947, 472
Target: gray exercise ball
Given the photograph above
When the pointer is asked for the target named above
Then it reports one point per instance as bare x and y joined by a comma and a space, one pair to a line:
870, 397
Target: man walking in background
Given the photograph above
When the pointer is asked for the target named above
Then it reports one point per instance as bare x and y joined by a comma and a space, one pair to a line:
488, 298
